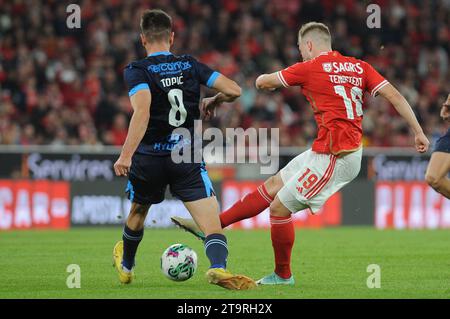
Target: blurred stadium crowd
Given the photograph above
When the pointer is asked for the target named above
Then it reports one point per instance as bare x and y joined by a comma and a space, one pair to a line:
65, 86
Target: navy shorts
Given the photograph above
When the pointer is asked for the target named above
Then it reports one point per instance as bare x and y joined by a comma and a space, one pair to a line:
443, 143
149, 176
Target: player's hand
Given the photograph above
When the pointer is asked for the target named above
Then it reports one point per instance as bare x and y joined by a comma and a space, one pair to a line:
422, 142
122, 166
208, 107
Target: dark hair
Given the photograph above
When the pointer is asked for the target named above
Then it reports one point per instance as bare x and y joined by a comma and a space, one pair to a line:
156, 25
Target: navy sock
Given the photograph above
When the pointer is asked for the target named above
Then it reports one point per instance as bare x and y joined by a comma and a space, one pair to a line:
217, 250
131, 240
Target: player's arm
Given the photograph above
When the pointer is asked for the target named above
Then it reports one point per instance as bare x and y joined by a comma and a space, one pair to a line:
404, 109
140, 101
229, 91
269, 82
294, 75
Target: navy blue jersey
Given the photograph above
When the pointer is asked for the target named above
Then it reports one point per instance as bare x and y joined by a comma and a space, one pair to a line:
174, 83
443, 143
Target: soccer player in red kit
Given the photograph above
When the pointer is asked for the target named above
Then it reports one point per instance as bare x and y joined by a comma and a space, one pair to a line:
334, 85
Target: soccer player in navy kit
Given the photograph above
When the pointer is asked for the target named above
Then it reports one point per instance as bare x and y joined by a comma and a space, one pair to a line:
164, 91
439, 165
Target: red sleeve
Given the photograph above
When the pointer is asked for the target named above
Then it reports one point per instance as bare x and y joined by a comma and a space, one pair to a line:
293, 75
374, 80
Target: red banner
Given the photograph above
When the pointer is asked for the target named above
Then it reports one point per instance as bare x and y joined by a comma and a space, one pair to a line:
26, 204
402, 205
329, 215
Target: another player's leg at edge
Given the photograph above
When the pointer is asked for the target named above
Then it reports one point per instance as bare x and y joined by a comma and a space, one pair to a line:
215, 244
439, 165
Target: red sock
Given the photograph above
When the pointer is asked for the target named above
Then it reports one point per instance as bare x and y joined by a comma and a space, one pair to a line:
283, 236
251, 205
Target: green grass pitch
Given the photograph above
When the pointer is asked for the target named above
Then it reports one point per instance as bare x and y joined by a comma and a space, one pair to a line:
327, 263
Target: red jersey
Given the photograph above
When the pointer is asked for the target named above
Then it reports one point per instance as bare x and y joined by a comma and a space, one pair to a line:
334, 85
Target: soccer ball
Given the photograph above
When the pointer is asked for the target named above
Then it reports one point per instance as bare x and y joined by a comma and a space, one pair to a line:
179, 262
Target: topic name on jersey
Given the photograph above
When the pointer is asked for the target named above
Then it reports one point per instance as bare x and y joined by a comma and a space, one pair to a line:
169, 67
337, 67
172, 81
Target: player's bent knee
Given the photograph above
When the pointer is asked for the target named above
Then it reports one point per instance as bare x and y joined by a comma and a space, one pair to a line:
139, 209
273, 184
433, 181
278, 209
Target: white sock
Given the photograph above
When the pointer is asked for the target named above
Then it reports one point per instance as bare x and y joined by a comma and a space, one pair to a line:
126, 269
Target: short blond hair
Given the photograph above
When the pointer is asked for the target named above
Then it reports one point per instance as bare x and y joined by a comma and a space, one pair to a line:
321, 31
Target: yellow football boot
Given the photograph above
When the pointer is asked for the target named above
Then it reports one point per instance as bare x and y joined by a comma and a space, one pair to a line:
225, 279
124, 277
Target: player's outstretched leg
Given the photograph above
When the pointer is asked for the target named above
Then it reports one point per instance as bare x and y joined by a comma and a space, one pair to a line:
283, 236
204, 212
124, 251
249, 206
253, 203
